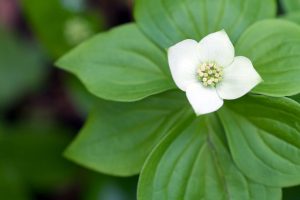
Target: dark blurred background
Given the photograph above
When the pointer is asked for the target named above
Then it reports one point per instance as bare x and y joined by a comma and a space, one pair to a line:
42, 108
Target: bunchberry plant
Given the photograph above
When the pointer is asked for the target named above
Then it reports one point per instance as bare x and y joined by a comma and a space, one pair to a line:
208, 71
153, 75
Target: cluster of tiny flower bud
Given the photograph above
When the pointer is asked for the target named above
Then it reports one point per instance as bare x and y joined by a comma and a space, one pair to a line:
210, 74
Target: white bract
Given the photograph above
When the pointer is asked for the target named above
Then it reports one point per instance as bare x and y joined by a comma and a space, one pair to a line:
209, 72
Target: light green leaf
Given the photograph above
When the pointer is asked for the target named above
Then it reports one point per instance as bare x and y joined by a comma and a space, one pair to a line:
118, 137
193, 162
121, 65
291, 5
169, 21
264, 138
273, 46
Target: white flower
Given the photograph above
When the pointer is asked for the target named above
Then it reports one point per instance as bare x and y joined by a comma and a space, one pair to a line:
208, 71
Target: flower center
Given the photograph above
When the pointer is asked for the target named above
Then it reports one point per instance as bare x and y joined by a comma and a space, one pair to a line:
209, 74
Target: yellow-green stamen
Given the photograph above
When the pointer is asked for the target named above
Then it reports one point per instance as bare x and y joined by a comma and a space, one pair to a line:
210, 74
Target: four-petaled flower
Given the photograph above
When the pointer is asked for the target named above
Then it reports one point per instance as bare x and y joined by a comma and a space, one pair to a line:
208, 71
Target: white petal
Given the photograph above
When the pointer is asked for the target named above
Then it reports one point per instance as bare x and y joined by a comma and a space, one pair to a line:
238, 79
183, 61
217, 47
203, 99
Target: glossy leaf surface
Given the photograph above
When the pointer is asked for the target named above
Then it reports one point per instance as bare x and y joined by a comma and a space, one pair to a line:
264, 138
121, 65
118, 137
193, 162
273, 46
169, 21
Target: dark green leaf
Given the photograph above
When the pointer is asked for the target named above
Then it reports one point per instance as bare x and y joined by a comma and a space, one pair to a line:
81, 98
169, 21
193, 162
60, 31
274, 46
102, 187
291, 5
12, 186
264, 138
119, 136
36, 155
21, 70
121, 65
296, 98
293, 16
292, 193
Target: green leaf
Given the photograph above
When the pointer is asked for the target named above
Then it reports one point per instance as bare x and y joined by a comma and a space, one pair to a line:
291, 5
60, 31
169, 21
264, 138
118, 137
193, 162
296, 98
293, 16
21, 70
273, 46
121, 65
